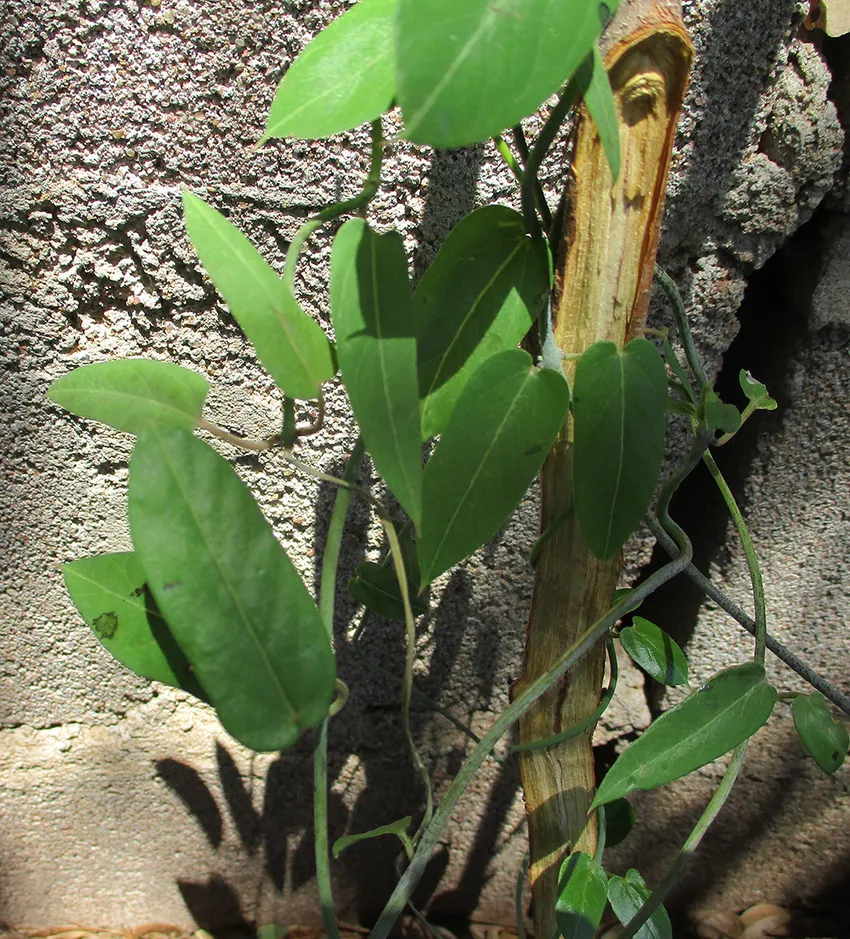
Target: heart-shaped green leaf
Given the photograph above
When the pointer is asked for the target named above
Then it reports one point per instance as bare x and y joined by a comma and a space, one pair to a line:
600, 103
495, 63
503, 425
371, 308
230, 595
719, 416
113, 598
619, 821
133, 394
823, 736
656, 653
582, 894
620, 408
727, 710
290, 345
480, 295
342, 78
627, 895
376, 587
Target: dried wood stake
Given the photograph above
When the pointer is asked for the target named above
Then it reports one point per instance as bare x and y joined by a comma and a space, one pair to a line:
602, 292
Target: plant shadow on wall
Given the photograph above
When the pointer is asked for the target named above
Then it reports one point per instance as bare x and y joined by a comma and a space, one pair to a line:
208, 600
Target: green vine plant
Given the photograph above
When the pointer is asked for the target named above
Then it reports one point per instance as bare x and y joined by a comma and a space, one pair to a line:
208, 601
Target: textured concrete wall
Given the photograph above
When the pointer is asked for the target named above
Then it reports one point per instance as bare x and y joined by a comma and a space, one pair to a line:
123, 802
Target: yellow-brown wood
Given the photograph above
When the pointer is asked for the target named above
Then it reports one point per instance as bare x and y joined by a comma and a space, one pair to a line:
602, 292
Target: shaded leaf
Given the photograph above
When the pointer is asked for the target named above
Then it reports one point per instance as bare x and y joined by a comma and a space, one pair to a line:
480, 295
620, 409
230, 595
376, 587
823, 736
627, 895
727, 710
371, 308
756, 392
655, 652
503, 425
342, 78
113, 598
399, 829
600, 103
619, 821
496, 64
133, 394
719, 416
290, 345
582, 895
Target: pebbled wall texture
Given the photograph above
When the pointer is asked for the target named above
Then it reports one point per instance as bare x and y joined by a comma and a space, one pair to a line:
122, 802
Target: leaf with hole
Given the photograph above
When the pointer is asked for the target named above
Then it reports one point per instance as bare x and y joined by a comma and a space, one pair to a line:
627, 895
756, 392
599, 100
342, 78
113, 598
582, 894
719, 416
371, 309
619, 821
823, 736
230, 595
290, 345
724, 712
133, 394
399, 829
480, 295
376, 587
620, 410
655, 652
496, 64
504, 423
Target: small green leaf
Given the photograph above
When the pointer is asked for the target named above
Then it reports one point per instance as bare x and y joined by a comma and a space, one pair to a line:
503, 425
376, 587
290, 345
371, 308
823, 736
619, 821
582, 895
399, 829
111, 594
133, 394
620, 408
756, 392
466, 71
480, 295
230, 595
342, 78
627, 895
719, 416
655, 652
727, 710
600, 103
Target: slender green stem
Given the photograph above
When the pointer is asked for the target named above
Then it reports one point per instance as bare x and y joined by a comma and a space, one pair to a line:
601, 834
245, 443
691, 844
507, 155
669, 287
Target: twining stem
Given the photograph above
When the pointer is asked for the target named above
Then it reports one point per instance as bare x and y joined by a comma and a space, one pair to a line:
507, 155
685, 336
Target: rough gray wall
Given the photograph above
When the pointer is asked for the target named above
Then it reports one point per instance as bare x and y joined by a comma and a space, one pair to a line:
122, 802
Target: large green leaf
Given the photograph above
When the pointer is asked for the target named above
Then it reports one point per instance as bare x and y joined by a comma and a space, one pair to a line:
480, 296
344, 77
727, 710
503, 425
228, 592
133, 394
656, 653
466, 71
627, 895
600, 103
620, 408
371, 308
582, 894
113, 598
824, 737
289, 343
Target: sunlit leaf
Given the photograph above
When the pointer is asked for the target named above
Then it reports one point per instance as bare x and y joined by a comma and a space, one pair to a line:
230, 595
371, 308
113, 598
756, 392
582, 895
620, 408
342, 78
600, 103
619, 821
480, 295
823, 736
133, 394
290, 345
495, 64
627, 895
727, 710
656, 653
503, 425
399, 829
376, 587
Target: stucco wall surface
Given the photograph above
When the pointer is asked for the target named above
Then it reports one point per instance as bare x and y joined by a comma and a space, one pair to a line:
123, 802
